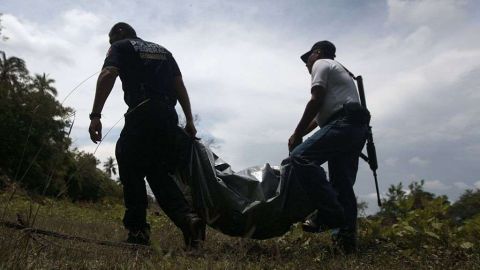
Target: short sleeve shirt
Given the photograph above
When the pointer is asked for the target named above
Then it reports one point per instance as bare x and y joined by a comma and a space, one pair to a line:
145, 68
340, 87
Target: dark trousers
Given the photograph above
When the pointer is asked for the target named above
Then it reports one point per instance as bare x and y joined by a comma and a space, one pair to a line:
144, 149
340, 143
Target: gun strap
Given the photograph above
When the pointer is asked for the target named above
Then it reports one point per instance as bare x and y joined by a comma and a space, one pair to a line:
348, 71
359, 80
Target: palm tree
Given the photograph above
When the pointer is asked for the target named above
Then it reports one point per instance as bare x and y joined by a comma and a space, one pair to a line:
42, 84
109, 167
12, 69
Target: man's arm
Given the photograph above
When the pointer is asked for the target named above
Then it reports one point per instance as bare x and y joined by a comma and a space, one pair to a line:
105, 83
311, 127
184, 101
312, 108
305, 125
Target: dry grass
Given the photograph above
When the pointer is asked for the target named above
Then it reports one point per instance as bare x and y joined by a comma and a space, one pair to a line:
102, 221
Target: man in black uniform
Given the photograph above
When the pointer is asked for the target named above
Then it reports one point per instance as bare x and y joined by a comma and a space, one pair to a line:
152, 83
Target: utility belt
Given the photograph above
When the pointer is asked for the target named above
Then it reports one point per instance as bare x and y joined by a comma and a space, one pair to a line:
352, 113
151, 110
161, 101
163, 98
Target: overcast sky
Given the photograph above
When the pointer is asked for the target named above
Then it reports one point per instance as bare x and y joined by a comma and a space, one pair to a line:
240, 61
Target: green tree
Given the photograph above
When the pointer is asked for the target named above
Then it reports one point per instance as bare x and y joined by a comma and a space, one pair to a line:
110, 167
391, 205
13, 71
34, 145
467, 206
399, 202
419, 195
43, 84
86, 182
362, 207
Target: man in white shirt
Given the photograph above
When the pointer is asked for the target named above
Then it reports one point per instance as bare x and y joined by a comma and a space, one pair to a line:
334, 107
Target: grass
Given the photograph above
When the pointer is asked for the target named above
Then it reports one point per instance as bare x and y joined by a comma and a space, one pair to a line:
102, 221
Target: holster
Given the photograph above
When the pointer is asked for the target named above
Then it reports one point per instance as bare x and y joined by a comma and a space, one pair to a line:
356, 114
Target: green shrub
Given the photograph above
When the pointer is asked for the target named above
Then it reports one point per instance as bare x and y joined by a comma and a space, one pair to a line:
467, 206
413, 220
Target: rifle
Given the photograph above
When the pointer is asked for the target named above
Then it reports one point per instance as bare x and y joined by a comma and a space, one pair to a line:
371, 157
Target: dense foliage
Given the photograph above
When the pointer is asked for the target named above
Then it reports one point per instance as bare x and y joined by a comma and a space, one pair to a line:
467, 207
35, 147
412, 221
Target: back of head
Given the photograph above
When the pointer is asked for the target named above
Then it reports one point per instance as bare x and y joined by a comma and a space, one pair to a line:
326, 47
124, 30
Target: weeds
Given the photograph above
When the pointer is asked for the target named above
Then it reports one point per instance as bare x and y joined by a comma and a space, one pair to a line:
387, 247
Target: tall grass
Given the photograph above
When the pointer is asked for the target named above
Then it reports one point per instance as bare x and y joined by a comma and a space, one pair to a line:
295, 250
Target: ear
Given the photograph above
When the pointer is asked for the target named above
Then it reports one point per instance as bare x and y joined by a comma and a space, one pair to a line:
320, 53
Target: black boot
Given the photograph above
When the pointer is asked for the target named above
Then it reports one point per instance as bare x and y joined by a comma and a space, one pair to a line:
139, 236
194, 234
346, 241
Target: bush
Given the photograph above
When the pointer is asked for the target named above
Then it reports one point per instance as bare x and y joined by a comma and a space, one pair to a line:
416, 220
86, 182
466, 207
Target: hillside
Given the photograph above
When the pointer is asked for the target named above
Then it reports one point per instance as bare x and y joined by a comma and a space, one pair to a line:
295, 250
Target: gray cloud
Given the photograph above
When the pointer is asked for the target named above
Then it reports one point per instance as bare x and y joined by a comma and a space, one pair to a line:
240, 62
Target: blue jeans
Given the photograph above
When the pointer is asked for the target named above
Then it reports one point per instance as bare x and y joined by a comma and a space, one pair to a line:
340, 143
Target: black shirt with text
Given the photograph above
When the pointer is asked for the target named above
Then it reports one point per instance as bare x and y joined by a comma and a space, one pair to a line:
146, 70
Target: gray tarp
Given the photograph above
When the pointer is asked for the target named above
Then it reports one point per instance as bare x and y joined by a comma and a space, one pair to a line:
237, 204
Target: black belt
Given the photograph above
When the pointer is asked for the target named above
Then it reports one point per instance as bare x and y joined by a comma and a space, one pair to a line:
353, 111
336, 115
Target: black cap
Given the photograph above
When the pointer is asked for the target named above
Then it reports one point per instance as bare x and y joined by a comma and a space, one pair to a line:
325, 46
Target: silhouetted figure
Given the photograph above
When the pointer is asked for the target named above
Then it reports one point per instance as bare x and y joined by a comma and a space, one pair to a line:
152, 84
334, 107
